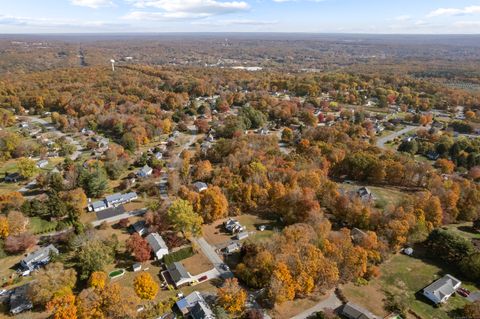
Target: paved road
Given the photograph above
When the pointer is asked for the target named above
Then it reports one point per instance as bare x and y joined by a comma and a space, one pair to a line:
383, 140
332, 302
121, 216
210, 253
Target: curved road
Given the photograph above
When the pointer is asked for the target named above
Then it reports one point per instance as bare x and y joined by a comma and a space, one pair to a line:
332, 302
383, 140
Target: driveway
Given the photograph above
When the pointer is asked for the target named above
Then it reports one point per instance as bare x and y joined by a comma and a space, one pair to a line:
132, 213
214, 258
332, 302
383, 140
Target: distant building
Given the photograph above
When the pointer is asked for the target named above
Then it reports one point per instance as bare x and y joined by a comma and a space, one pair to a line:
136, 267
232, 248
353, 311
38, 258
19, 300
42, 163
158, 155
242, 235
233, 226
114, 200
145, 171
200, 186
13, 177
156, 242
442, 289
179, 275
194, 306
365, 194
140, 227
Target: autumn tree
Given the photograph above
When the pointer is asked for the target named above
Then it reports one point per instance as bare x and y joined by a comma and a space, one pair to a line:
4, 227
98, 280
26, 167
445, 166
213, 204
203, 170
63, 306
17, 222
94, 256
20, 243
181, 215
139, 247
472, 310
53, 280
282, 285
145, 287
232, 297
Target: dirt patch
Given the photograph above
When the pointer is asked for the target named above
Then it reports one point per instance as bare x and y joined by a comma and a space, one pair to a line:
371, 297
214, 233
197, 264
292, 308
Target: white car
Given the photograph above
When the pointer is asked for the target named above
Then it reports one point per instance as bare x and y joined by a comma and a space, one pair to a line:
3, 292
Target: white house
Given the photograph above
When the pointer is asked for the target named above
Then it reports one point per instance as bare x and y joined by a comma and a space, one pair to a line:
145, 171
200, 186
39, 257
442, 289
114, 200
156, 242
42, 163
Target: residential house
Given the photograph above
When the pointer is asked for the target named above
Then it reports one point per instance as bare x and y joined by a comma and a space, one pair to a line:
158, 155
13, 177
233, 247
38, 258
442, 289
365, 194
179, 275
357, 235
140, 227
353, 311
233, 226
114, 200
241, 236
20, 300
145, 171
194, 306
136, 267
156, 242
433, 156
42, 163
200, 186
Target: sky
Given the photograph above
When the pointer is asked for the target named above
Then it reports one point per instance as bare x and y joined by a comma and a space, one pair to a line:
312, 16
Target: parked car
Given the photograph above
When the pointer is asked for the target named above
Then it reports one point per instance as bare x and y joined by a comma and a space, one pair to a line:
463, 292
3, 292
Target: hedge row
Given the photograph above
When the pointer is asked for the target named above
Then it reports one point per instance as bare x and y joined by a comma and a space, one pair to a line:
181, 254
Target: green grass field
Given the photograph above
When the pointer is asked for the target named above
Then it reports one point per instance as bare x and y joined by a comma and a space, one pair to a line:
406, 276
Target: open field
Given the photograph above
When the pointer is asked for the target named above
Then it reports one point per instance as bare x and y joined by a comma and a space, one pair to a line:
197, 264
465, 230
383, 195
405, 276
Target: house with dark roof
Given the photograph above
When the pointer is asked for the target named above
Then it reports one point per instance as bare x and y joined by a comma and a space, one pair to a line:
13, 177
442, 289
353, 311
39, 257
140, 227
156, 242
365, 194
194, 306
179, 275
19, 300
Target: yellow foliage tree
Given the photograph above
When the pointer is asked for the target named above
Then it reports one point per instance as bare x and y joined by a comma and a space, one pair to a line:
232, 297
4, 229
63, 307
145, 287
282, 286
97, 280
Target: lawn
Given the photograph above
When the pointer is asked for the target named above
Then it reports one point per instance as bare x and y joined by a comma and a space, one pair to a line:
383, 195
39, 226
465, 230
405, 276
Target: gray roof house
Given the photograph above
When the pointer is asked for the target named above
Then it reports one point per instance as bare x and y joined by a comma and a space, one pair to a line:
39, 257
353, 311
365, 194
145, 171
195, 306
200, 186
179, 274
19, 300
140, 227
13, 177
156, 242
42, 163
242, 235
114, 200
442, 289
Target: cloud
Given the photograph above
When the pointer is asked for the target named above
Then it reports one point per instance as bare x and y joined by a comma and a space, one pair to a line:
467, 24
454, 11
48, 23
183, 9
281, 1
403, 18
